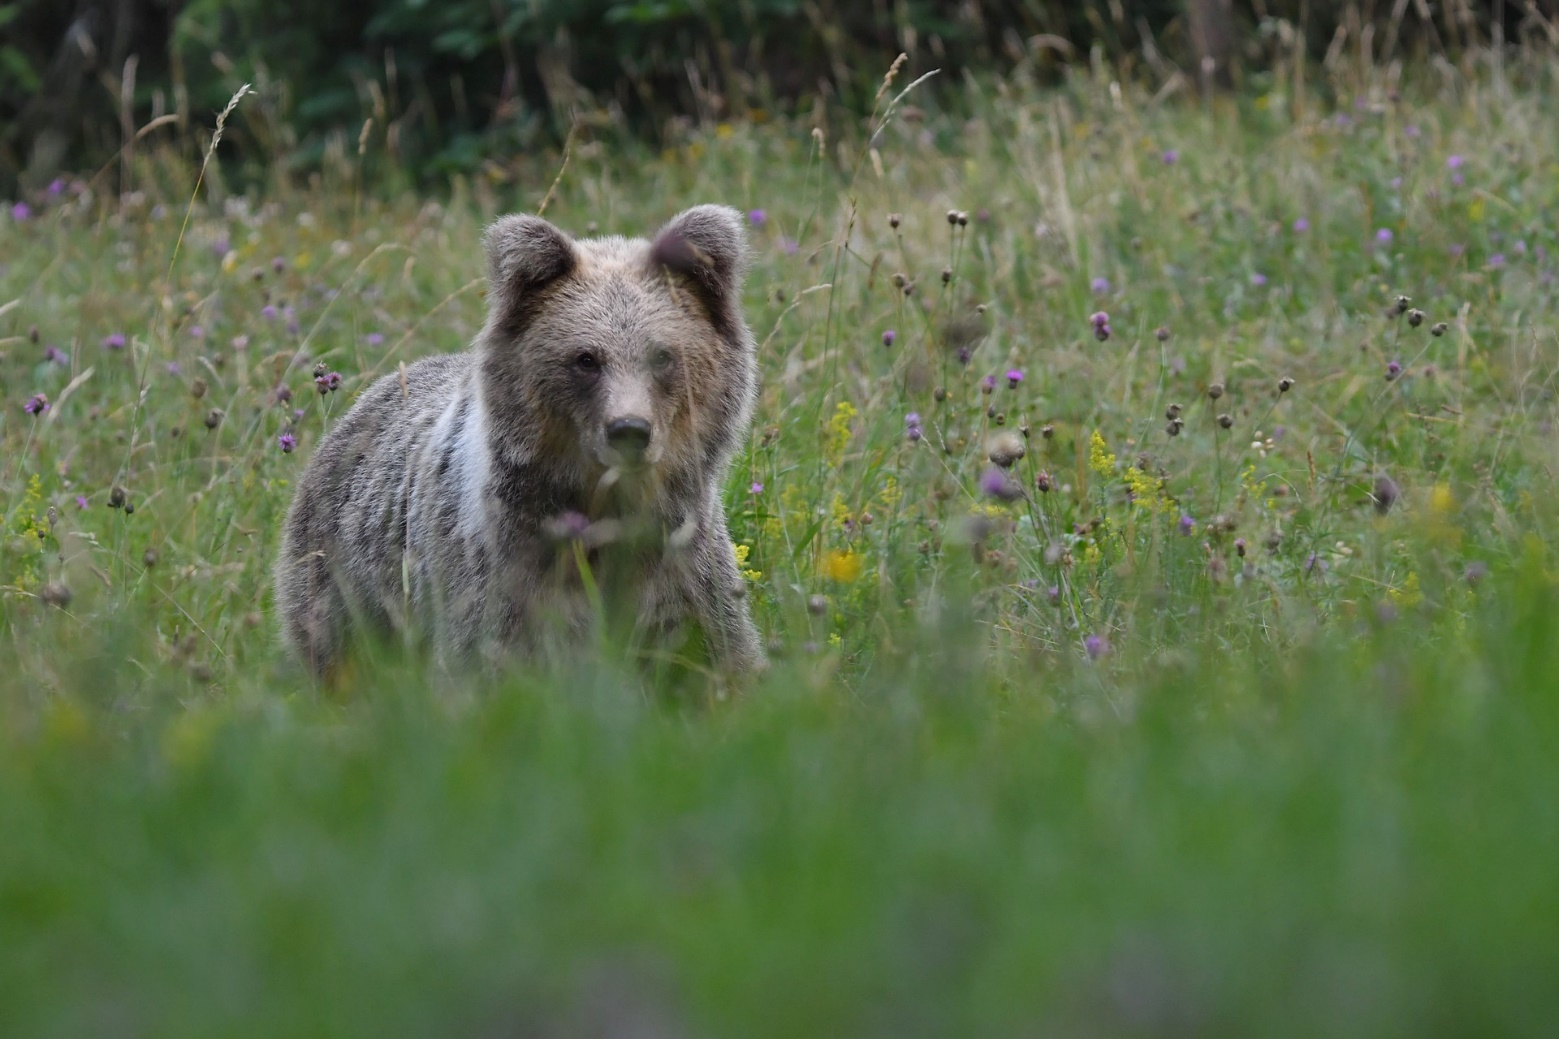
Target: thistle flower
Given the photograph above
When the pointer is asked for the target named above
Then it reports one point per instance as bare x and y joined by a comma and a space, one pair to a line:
278, 264
912, 426
1393, 370
996, 484
269, 312
1258, 279
327, 382
20, 212
374, 339
1100, 286
757, 218
37, 404
287, 442
1385, 493
1454, 162
1170, 157
240, 342
1383, 236
55, 355
1101, 325
568, 526
1095, 646
888, 336
988, 384
1014, 377
1187, 524
1043, 482
1301, 225
114, 341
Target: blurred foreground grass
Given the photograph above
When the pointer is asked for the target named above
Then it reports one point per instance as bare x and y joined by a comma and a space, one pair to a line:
1229, 705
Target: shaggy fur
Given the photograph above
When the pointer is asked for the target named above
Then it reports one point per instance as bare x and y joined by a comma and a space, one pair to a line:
595, 416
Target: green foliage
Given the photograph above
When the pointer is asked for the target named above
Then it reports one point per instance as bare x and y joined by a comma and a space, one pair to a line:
1242, 730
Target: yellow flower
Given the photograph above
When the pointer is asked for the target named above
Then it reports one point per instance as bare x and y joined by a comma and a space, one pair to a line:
834, 639
842, 565
1100, 460
742, 552
1409, 594
1147, 492
1441, 501
839, 429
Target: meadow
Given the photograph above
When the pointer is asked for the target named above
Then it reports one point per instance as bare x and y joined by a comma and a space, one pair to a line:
1150, 508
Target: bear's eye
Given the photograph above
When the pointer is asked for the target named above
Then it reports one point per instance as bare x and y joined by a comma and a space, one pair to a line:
660, 358
587, 362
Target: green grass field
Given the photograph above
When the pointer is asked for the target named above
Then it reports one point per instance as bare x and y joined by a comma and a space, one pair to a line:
1230, 707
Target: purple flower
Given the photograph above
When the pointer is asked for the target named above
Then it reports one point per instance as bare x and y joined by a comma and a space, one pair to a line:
268, 312
1455, 162
374, 339
292, 320
997, 484
1170, 157
20, 212
757, 218
197, 332
297, 414
278, 264
1099, 319
1497, 260
37, 404
1095, 646
988, 384
912, 419
1258, 279
114, 341
888, 337
329, 382
173, 367
240, 342
1301, 225
286, 442
1187, 524
912, 426
56, 187
1396, 182
1100, 286
1384, 236
219, 248
790, 246
1393, 370
1457, 248
1458, 180
1014, 377
283, 394
81, 501
1410, 130
55, 355
1053, 595
756, 488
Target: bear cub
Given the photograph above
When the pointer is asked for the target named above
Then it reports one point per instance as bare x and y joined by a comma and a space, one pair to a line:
572, 459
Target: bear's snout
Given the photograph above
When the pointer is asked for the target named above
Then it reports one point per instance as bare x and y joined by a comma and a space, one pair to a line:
629, 436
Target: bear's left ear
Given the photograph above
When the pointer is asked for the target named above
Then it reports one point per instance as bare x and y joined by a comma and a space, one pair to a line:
708, 245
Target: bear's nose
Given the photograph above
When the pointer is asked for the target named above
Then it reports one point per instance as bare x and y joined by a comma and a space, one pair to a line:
628, 434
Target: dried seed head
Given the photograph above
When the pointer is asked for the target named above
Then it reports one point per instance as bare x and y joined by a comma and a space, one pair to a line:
1439, 328
1285, 384
1385, 494
321, 370
947, 275
1415, 317
1162, 332
1173, 411
116, 498
1225, 421
1047, 431
1215, 391
1401, 305
817, 605
963, 219
1174, 427
55, 594
1005, 449
952, 217
1239, 547
213, 418
900, 279
894, 219
150, 557
197, 388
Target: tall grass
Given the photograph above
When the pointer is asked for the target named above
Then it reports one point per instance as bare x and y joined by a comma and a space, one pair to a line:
1228, 704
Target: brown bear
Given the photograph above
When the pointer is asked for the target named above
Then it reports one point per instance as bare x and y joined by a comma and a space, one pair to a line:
492, 499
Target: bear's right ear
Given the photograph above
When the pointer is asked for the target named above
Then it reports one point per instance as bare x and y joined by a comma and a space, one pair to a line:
524, 253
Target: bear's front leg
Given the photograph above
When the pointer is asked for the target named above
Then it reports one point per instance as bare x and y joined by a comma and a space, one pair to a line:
717, 599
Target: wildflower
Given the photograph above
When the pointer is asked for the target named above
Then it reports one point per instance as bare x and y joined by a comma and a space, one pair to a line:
286, 442
213, 418
37, 404
327, 382
173, 368
988, 384
888, 336
1258, 279
1384, 236
81, 501
1095, 646
568, 526
1442, 500
1170, 157
1385, 493
1101, 325
1454, 162
374, 339
1239, 547
1043, 482
117, 498
996, 484
756, 488
1100, 286
757, 218
278, 264
1410, 130
790, 246
1476, 571
841, 565
1301, 225
1161, 333
1393, 370
1014, 377
56, 187
240, 342
1005, 449
894, 219
269, 312
912, 425
1187, 524
283, 394
292, 320
1100, 460
20, 212
114, 341
1497, 260
55, 355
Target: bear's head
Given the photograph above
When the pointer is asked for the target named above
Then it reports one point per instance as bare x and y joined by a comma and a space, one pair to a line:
620, 356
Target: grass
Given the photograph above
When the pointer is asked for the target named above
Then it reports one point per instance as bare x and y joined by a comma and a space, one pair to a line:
1248, 729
